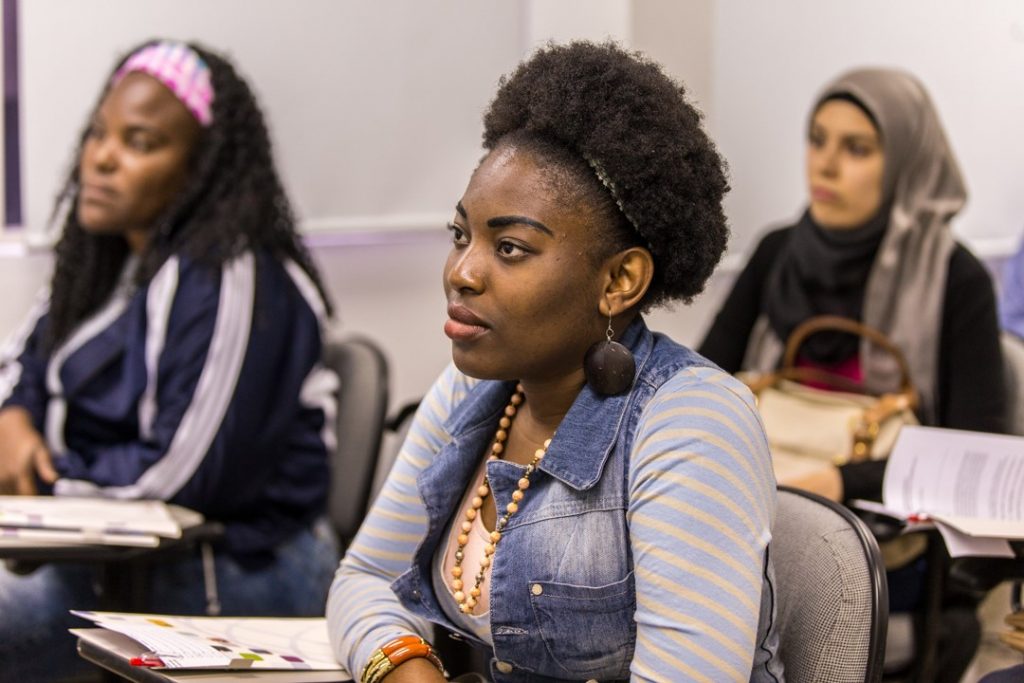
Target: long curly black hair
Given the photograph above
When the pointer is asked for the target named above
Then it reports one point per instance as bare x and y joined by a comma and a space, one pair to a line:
622, 130
233, 201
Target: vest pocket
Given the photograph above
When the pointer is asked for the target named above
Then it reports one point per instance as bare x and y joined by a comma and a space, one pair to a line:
587, 630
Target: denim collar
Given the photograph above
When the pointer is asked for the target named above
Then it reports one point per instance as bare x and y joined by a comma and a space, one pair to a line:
588, 432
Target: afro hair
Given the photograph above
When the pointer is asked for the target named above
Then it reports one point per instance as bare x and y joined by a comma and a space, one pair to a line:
631, 124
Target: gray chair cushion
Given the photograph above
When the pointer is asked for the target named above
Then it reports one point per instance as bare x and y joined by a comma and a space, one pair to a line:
362, 409
828, 582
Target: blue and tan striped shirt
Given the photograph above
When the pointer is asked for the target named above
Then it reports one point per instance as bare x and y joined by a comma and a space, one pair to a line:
641, 552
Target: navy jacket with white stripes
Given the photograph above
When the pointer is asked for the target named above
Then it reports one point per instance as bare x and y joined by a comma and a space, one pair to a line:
204, 388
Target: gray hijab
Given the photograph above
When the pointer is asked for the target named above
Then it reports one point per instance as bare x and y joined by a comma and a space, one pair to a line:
906, 285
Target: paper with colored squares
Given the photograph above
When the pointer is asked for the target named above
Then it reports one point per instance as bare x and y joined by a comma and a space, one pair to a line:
176, 642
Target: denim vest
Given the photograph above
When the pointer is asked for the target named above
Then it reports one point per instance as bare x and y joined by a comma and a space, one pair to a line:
562, 588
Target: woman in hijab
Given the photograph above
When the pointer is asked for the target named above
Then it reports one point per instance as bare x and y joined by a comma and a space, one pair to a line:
874, 245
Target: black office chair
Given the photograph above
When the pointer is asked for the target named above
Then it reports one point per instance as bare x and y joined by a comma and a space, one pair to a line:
833, 602
361, 412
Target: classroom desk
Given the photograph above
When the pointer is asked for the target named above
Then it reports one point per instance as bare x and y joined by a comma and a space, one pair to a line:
978, 573
925, 647
111, 651
124, 568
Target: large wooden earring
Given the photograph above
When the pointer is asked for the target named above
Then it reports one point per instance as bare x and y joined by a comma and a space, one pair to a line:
609, 366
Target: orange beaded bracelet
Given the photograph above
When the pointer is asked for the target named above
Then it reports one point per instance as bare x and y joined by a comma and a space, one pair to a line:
388, 657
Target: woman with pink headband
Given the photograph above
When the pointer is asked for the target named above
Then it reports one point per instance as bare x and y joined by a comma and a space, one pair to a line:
176, 356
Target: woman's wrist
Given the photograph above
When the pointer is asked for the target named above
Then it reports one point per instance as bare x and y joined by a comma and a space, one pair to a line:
415, 671
16, 417
397, 652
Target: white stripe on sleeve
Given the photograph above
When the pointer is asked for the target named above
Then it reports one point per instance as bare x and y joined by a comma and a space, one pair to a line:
159, 299
216, 387
56, 409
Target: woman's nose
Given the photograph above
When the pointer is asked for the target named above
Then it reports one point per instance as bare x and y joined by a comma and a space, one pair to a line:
101, 154
465, 270
826, 161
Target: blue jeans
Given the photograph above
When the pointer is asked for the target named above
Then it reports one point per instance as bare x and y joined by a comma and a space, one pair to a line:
34, 618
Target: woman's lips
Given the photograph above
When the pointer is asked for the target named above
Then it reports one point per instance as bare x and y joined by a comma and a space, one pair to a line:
820, 194
96, 194
463, 324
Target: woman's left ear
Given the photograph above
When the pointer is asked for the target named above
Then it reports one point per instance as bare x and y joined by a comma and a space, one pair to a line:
629, 273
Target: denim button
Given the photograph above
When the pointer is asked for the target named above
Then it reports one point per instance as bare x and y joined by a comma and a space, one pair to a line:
504, 667
537, 589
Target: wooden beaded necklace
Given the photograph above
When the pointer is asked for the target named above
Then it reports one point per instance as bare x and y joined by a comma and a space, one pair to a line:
468, 600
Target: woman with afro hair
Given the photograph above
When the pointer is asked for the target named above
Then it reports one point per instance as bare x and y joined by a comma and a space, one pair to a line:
176, 356
578, 497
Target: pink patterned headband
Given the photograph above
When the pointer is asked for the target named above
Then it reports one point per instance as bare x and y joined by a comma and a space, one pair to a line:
181, 69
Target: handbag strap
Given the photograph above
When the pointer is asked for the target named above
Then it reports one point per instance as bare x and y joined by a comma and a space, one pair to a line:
835, 323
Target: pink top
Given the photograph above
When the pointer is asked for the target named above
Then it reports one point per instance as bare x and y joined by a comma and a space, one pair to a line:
849, 368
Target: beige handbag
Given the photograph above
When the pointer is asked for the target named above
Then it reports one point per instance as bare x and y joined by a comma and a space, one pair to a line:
809, 428
835, 426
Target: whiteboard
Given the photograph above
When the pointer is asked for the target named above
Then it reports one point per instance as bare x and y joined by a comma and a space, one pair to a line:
771, 58
374, 107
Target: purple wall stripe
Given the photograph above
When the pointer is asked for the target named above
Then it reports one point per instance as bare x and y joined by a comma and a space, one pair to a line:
12, 132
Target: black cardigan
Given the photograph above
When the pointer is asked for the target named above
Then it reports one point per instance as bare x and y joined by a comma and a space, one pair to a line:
971, 392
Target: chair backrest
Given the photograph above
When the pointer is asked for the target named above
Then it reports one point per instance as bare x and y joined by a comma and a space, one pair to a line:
362, 409
1013, 360
833, 603
395, 431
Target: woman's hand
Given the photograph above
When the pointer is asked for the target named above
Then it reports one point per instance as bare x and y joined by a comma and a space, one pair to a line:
23, 454
825, 481
418, 670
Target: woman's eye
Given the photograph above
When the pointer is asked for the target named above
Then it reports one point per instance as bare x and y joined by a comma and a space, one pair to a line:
95, 131
859, 150
141, 143
459, 236
816, 139
511, 249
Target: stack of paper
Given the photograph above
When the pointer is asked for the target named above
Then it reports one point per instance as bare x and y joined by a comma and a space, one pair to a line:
174, 642
60, 521
967, 483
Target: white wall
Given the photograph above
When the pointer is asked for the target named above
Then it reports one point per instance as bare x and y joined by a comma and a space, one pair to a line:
374, 105
772, 58
23, 275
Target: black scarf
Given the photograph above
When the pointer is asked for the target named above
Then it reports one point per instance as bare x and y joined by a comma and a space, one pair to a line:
822, 271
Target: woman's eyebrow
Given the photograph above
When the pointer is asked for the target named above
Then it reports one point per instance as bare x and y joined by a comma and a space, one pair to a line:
861, 137
502, 221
